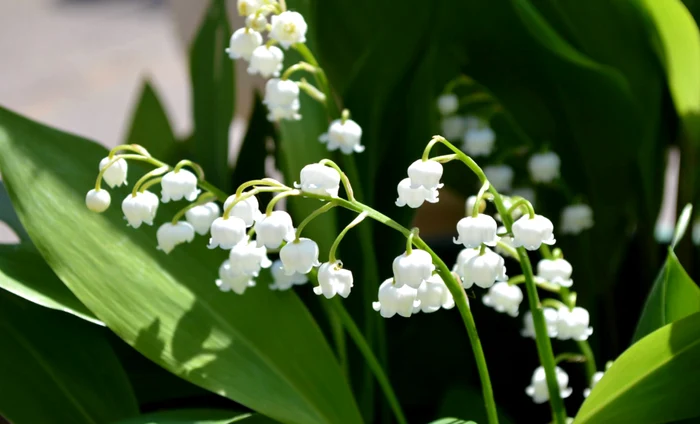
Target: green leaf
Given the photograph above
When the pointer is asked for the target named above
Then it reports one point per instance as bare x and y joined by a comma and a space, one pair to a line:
198, 416
24, 272
262, 349
651, 382
9, 216
251, 158
57, 369
150, 126
673, 296
213, 89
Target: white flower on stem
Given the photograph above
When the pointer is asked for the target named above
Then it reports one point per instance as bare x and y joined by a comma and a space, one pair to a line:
482, 269
319, 179
344, 136
452, 127
299, 256
425, 173
475, 231
504, 297
202, 216
281, 281
288, 28
115, 175
433, 294
576, 218
256, 22
97, 200
230, 280
448, 104
226, 232
274, 229
413, 268
140, 209
394, 299
464, 256
414, 197
179, 184
243, 42
247, 7
248, 209
333, 279
247, 258
532, 232
544, 167
538, 390
594, 380
479, 141
556, 271
507, 240
551, 317
170, 235
500, 177
507, 203
573, 324
266, 61
282, 100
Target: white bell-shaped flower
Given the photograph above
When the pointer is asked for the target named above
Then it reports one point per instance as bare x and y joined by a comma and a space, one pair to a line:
394, 299
247, 258
281, 281
272, 230
412, 269
475, 231
551, 318
556, 271
448, 104
344, 136
248, 7
573, 324
179, 184
506, 240
230, 280
576, 218
414, 197
278, 113
464, 256
594, 380
333, 279
299, 256
115, 175
319, 179
452, 127
532, 232
97, 200
201, 217
266, 61
483, 270
538, 390
226, 233
426, 173
504, 297
479, 141
243, 42
544, 167
433, 294
247, 209
288, 28
169, 235
256, 22
281, 93
500, 177
140, 209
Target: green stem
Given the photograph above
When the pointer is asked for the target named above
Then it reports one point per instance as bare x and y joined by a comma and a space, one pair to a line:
323, 209
301, 66
195, 166
521, 203
153, 173
114, 159
479, 196
334, 247
590, 359
129, 147
409, 241
510, 250
344, 178
569, 357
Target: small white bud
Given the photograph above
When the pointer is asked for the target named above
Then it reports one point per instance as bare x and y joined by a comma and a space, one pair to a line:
288, 28
412, 269
333, 279
230, 280
115, 175
140, 209
248, 209
272, 230
257, 22
504, 297
544, 167
538, 390
179, 184
556, 271
299, 256
433, 294
551, 317
532, 232
394, 299
226, 233
98, 200
481, 269
266, 61
319, 179
426, 173
248, 7
594, 381
474, 231
282, 281
243, 42
448, 104
500, 177
573, 324
201, 217
344, 136
169, 235
414, 197
247, 258
576, 219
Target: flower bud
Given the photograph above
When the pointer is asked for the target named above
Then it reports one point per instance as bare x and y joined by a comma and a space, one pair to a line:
115, 175
299, 256
201, 217
248, 7
98, 200
257, 22
170, 235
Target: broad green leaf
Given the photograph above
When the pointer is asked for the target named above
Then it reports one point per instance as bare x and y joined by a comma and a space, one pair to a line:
9, 216
654, 381
676, 39
250, 164
673, 296
197, 416
262, 349
57, 369
213, 89
24, 272
150, 126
